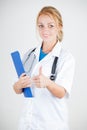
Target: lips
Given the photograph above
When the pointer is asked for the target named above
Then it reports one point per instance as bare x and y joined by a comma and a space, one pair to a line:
45, 35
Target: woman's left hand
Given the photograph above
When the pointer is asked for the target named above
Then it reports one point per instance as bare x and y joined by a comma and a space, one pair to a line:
40, 80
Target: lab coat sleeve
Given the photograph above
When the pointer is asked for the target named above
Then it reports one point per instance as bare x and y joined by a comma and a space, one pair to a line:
66, 73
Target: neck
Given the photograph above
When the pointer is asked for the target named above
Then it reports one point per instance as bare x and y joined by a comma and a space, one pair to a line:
47, 47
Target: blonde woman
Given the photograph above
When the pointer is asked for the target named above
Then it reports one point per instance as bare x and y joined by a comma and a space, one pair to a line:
47, 109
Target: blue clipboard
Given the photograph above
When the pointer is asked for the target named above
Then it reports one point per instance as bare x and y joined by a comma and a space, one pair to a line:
20, 69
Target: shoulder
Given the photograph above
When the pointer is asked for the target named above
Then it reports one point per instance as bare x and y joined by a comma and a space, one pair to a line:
66, 55
30, 50
27, 53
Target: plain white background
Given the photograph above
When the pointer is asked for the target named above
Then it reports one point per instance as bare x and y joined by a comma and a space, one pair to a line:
18, 32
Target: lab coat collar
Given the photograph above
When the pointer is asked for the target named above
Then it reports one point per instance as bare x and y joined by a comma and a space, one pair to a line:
55, 52
37, 50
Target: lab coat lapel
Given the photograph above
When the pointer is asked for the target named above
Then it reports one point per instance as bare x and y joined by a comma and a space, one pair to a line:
55, 52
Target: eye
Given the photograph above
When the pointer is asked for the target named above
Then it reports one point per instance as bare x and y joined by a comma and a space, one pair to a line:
51, 26
41, 26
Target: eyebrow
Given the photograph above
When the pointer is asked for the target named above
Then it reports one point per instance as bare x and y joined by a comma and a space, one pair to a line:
48, 23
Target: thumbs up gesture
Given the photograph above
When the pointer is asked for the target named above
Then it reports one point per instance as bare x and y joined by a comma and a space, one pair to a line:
40, 80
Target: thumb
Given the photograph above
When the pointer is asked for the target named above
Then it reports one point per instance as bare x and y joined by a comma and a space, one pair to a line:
40, 70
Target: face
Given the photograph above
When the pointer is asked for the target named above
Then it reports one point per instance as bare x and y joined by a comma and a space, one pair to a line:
48, 29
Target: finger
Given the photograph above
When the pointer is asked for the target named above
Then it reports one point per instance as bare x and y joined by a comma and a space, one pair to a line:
35, 78
36, 83
23, 74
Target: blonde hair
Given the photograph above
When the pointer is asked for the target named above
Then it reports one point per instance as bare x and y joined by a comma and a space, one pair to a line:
55, 14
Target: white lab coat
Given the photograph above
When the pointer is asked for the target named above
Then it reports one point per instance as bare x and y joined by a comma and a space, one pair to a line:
45, 111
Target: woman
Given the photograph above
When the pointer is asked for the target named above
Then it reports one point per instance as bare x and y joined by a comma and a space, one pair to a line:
47, 109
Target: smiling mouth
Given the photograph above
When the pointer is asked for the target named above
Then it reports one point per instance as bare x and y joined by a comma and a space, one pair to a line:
45, 35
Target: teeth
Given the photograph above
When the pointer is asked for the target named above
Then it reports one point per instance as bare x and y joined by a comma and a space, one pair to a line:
45, 35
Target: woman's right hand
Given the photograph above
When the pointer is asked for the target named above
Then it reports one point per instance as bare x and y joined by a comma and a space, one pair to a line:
23, 82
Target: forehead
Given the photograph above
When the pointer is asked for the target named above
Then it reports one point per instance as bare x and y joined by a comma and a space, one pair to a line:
45, 19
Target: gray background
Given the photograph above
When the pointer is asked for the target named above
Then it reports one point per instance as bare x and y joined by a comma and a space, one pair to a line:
18, 32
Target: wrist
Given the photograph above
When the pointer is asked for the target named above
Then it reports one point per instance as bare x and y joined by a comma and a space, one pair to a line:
17, 89
49, 84
17, 86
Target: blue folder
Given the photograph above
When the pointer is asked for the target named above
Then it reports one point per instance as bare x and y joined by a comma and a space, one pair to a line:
20, 69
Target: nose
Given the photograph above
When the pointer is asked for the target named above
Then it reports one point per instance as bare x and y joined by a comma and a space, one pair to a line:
45, 29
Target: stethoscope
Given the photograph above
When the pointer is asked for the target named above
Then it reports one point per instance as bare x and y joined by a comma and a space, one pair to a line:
54, 66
